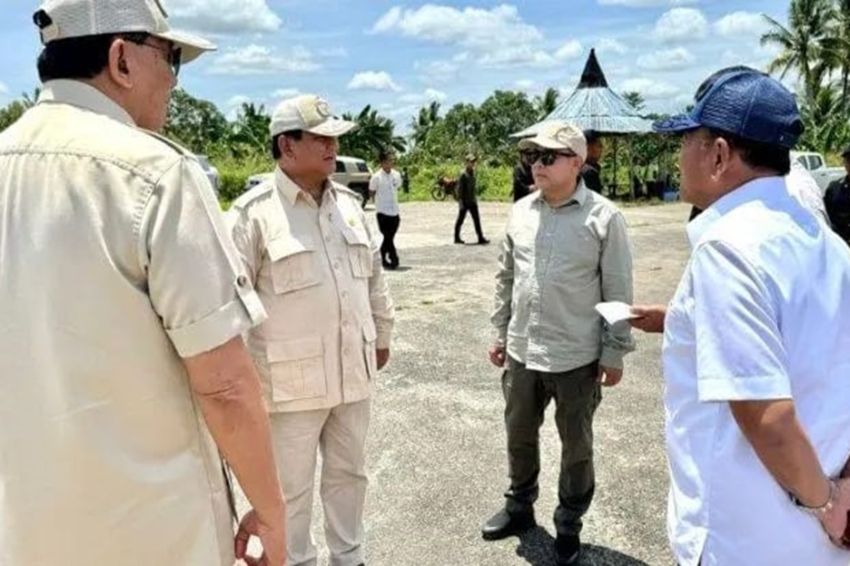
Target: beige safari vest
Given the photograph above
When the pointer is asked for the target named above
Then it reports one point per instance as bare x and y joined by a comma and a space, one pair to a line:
114, 263
318, 272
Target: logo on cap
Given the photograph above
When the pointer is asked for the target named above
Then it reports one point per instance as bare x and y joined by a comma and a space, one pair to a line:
323, 109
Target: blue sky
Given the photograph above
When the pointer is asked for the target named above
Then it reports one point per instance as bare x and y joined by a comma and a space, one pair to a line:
398, 56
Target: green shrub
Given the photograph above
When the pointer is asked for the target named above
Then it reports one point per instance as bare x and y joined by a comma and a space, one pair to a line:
234, 172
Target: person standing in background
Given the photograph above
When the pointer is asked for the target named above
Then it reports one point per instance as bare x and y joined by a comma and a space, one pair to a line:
384, 186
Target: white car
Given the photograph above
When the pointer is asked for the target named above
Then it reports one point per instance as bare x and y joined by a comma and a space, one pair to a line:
210, 171
815, 164
352, 172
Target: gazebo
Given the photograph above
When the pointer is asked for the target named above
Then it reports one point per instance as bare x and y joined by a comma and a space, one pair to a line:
594, 106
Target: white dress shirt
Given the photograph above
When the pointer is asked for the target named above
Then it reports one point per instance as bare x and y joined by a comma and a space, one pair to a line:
761, 313
385, 188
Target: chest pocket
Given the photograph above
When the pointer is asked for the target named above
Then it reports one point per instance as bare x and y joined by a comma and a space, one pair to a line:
293, 264
359, 253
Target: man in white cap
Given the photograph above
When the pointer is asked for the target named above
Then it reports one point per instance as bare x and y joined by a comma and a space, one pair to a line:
566, 249
315, 262
121, 319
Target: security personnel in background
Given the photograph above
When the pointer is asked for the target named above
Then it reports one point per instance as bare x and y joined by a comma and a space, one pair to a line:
123, 304
837, 200
591, 171
468, 201
315, 262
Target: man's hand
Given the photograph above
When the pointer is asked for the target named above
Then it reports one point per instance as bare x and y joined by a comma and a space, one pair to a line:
834, 521
497, 355
609, 377
650, 318
382, 355
272, 535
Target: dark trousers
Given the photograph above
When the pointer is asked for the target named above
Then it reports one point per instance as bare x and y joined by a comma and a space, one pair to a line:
472, 208
388, 225
577, 395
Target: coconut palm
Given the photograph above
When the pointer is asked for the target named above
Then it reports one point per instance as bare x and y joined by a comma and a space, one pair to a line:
802, 42
546, 103
374, 133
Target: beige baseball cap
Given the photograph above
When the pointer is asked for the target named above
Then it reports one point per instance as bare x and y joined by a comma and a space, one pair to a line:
308, 113
63, 19
558, 135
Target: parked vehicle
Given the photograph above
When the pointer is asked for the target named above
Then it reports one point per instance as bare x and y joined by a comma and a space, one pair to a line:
443, 188
352, 172
210, 171
816, 165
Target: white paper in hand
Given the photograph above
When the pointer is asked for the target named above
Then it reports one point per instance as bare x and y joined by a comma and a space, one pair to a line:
615, 312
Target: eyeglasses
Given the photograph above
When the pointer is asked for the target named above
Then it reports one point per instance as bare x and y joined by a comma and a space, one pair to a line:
547, 157
172, 55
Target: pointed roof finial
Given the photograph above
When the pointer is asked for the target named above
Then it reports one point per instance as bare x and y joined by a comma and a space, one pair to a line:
592, 77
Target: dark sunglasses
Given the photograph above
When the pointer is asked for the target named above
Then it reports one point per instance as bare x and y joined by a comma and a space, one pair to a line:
546, 157
173, 55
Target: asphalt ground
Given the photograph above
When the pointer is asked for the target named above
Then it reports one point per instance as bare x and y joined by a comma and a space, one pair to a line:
437, 462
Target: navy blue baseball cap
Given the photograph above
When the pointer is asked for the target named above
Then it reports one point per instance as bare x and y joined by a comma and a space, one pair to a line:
744, 102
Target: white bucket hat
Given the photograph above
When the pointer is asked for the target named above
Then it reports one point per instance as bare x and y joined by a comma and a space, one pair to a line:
556, 135
308, 113
63, 19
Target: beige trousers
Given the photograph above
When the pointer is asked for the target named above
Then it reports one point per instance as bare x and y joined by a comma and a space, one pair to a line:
340, 434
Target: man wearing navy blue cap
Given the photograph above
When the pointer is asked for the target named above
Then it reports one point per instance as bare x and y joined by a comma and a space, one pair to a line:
755, 343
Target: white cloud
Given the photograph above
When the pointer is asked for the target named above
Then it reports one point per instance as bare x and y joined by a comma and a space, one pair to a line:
433, 94
740, 24
257, 60
334, 52
224, 16
499, 37
666, 60
608, 45
373, 80
570, 50
681, 24
525, 84
646, 3
283, 93
4, 89
649, 89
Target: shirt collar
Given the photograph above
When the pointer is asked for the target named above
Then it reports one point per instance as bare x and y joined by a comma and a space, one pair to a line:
291, 191
579, 197
82, 95
762, 189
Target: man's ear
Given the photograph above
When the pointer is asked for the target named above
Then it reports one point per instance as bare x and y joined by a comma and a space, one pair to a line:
119, 65
723, 156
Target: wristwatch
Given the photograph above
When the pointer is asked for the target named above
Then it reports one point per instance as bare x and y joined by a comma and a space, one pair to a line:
823, 509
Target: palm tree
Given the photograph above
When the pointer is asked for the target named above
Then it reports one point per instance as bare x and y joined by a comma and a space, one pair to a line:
837, 48
546, 103
422, 124
802, 41
374, 134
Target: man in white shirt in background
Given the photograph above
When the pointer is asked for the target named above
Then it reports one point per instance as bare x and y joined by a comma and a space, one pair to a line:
755, 343
384, 187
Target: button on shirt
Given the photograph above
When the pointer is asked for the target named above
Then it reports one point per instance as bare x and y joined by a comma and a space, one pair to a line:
556, 264
760, 314
385, 187
115, 262
317, 270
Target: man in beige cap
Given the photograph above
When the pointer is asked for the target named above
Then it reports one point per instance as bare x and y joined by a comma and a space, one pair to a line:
122, 312
566, 250
315, 262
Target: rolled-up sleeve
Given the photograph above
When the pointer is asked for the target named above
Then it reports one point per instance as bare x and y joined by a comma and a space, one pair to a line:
740, 353
197, 284
617, 285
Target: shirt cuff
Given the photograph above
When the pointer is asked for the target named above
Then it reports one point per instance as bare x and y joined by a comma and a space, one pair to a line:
383, 341
758, 388
611, 358
231, 320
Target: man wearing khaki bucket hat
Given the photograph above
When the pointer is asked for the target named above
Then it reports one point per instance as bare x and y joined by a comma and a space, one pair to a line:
121, 359
315, 261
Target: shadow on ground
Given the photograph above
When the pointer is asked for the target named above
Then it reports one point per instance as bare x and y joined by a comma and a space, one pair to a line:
536, 547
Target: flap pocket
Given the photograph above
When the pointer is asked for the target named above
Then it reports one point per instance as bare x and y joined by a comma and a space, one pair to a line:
355, 237
293, 264
297, 369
